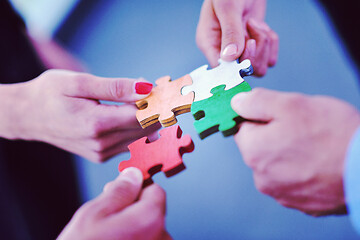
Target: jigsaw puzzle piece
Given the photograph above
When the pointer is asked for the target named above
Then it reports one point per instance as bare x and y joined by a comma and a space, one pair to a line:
216, 114
165, 102
164, 154
229, 74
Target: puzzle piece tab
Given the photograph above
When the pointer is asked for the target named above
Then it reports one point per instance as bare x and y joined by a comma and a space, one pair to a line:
164, 154
229, 74
165, 102
215, 113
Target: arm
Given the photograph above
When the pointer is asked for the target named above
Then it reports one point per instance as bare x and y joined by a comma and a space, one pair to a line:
117, 214
62, 108
233, 29
298, 154
352, 180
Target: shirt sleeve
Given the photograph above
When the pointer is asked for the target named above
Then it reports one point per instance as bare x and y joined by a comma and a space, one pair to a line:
352, 180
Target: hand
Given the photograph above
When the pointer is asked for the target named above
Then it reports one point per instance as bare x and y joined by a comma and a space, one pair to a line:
298, 153
63, 108
117, 214
233, 29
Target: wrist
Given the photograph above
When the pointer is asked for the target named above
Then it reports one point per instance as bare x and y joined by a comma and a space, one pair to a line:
12, 104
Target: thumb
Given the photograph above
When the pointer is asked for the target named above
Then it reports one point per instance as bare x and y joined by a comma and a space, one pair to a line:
120, 193
258, 105
109, 89
233, 31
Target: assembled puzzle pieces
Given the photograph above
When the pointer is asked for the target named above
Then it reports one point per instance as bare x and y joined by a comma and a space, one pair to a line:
215, 113
164, 154
229, 74
165, 102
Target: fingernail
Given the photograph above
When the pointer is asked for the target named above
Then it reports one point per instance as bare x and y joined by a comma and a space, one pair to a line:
251, 44
134, 175
230, 50
238, 98
143, 87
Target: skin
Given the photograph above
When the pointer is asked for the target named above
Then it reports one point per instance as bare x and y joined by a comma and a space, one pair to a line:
297, 152
62, 108
233, 29
123, 211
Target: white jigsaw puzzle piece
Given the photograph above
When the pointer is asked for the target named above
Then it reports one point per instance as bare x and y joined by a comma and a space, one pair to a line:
205, 79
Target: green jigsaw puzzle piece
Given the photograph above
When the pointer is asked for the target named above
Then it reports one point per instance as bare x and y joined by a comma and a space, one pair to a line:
215, 113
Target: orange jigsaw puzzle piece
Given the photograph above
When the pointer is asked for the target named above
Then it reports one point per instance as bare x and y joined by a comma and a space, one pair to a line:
165, 102
164, 154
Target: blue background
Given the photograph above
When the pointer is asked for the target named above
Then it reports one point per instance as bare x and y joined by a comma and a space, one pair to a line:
215, 197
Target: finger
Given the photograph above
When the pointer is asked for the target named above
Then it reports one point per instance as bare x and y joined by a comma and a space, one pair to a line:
208, 33
248, 139
108, 118
122, 192
250, 51
118, 146
111, 139
274, 48
259, 104
145, 219
165, 236
233, 29
259, 32
151, 203
124, 120
111, 89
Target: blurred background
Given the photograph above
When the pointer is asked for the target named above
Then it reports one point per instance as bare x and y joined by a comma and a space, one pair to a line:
214, 197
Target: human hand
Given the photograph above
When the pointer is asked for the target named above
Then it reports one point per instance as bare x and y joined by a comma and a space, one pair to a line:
122, 211
233, 29
63, 108
297, 154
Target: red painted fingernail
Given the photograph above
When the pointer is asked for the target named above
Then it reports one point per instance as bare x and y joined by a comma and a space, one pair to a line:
143, 87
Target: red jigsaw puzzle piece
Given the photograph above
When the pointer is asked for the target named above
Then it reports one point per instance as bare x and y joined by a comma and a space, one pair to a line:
164, 154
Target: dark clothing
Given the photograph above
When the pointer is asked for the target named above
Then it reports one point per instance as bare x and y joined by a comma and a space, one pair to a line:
345, 16
38, 187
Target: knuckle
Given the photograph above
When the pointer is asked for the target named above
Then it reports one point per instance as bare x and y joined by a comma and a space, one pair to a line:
226, 5
98, 145
116, 89
154, 220
95, 128
123, 189
79, 80
261, 71
97, 157
85, 211
294, 101
273, 36
262, 185
262, 38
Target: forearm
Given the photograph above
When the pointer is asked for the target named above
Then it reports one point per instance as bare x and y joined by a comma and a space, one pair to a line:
12, 105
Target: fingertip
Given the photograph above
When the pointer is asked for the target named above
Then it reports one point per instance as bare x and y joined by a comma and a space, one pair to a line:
132, 175
230, 52
238, 101
155, 194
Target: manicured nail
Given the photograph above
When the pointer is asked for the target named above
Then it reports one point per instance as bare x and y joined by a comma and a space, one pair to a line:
230, 50
134, 175
251, 45
143, 87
